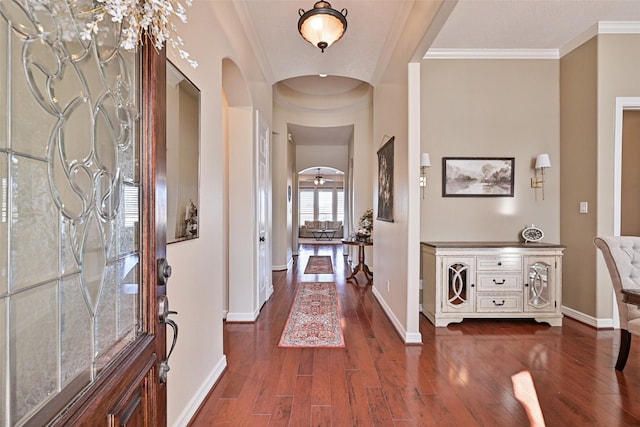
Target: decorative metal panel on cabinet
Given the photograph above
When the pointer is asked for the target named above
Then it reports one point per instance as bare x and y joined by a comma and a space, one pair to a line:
491, 280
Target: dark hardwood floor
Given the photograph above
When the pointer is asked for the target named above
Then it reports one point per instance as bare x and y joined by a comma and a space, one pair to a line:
459, 376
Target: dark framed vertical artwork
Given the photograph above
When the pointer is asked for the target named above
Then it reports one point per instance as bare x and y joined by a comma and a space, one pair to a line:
385, 181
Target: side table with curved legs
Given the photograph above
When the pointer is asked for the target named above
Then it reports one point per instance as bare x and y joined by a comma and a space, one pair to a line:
361, 264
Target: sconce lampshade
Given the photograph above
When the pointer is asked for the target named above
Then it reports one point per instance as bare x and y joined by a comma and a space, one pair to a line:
425, 161
543, 161
322, 26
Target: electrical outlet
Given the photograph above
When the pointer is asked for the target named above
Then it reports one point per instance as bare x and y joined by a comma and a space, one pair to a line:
388, 286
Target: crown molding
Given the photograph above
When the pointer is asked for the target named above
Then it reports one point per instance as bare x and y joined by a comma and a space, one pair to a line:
602, 27
492, 54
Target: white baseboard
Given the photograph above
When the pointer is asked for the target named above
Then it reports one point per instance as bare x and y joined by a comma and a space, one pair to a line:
192, 407
242, 317
408, 338
278, 267
587, 319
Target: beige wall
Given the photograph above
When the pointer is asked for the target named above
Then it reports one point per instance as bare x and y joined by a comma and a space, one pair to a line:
396, 249
592, 77
578, 83
618, 71
490, 108
196, 287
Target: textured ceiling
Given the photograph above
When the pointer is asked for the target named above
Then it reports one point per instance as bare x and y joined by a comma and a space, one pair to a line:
543, 28
529, 24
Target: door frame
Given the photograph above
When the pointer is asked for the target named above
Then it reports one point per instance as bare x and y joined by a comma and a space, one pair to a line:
622, 103
263, 145
113, 395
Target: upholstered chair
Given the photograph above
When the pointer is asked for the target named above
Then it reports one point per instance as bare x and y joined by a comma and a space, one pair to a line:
622, 255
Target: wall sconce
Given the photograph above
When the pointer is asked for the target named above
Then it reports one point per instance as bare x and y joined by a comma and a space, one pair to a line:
542, 162
425, 162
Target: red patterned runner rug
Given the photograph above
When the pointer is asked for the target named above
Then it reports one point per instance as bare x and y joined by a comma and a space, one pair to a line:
314, 320
319, 265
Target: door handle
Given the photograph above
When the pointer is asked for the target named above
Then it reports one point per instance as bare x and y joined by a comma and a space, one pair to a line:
163, 317
164, 271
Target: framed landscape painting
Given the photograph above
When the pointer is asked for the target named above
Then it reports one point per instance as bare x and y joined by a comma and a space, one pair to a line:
385, 181
477, 176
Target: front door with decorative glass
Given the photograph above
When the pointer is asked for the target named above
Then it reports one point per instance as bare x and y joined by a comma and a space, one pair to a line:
80, 155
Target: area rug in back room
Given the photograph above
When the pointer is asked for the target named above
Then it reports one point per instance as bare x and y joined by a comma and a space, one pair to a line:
314, 319
319, 264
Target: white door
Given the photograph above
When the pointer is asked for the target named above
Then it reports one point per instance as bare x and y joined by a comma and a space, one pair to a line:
262, 206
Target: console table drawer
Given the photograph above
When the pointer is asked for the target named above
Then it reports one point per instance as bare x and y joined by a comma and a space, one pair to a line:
499, 303
499, 263
497, 282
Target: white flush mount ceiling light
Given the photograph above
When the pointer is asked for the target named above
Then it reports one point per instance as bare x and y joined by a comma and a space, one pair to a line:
322, 26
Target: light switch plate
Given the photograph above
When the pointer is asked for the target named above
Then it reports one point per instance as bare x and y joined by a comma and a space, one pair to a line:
584, 207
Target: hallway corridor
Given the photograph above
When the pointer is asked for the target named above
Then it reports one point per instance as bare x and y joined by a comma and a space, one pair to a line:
461, 375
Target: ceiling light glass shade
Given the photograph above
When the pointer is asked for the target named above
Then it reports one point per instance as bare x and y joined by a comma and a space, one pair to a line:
322, 26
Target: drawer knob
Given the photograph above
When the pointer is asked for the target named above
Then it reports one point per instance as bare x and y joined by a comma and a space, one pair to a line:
499, 263
499, 283
498, 304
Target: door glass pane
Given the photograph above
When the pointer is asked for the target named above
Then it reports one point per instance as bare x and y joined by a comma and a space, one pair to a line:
539, 284
70, 276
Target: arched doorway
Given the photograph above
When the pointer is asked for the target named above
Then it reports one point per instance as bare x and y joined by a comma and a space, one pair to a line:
246, 139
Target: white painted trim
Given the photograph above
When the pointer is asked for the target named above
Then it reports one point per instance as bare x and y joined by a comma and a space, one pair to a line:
242, 317
413, 205
603, 27
586, 35
278, 267
618, 27
622, 103
407, 338
413, 338
192, 407
492, 54
587, 319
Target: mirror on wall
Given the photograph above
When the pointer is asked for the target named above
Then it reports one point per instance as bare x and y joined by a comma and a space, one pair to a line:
183, 156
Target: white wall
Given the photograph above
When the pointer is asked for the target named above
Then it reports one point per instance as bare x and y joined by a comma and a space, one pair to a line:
196, 288
358, 115
334, 156
395, 253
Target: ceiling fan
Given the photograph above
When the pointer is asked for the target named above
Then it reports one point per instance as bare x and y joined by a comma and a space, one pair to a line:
319, 179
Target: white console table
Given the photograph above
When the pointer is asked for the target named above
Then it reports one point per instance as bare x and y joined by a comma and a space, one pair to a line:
491, 280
